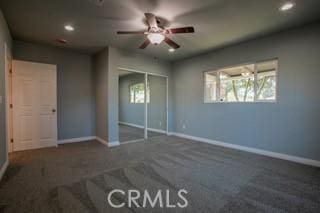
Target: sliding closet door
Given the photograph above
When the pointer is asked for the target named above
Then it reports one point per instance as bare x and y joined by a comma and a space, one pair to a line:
157, 106
131, 106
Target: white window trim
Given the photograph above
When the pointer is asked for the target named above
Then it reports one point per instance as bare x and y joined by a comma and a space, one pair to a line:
217, 71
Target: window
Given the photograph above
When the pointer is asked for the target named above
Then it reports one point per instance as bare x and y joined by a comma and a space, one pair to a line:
266, 81
137, 93
245, 83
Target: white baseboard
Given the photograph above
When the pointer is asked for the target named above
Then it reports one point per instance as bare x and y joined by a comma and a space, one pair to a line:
157, 130
4, 168
104, 142
142, 127
113, 143
133, 141
131, 124
109, 144
89, 138
301, 160
75, 140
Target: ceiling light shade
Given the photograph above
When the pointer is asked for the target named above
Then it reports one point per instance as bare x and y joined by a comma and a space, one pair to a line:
171, 50
69, 27
287, 6
155, 38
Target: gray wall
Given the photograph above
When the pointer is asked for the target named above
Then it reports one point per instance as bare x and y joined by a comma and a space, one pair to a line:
4, 38
120, 58
157, 106
290, 126
75, 89
100, 73
134, 113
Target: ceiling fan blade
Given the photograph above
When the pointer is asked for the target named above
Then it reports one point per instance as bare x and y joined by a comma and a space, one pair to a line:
131, 32
171, 43
151, 19
180, 30
144, 44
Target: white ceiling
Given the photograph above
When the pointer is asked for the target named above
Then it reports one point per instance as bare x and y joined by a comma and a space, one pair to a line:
218, 23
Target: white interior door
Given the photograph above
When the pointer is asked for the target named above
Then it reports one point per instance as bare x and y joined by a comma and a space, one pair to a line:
34, 101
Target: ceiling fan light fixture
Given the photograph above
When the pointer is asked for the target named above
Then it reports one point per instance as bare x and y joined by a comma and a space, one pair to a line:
156, 34
155, 38
246, 73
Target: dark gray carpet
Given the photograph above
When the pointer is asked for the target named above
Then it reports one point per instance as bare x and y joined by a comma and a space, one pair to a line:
77, 178
129, 133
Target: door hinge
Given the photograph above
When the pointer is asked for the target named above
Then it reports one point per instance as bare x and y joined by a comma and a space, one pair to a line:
11, 140
11, 106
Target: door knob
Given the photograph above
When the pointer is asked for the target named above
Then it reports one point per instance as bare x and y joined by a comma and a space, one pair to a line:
53, 110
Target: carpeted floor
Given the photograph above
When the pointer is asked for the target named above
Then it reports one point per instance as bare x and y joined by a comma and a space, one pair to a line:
129, 133
77, 178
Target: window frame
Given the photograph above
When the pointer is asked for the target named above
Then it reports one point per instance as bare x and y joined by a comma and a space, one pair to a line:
217, 71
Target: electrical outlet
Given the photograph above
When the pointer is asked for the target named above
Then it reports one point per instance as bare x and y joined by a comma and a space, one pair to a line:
160, 123
184, 126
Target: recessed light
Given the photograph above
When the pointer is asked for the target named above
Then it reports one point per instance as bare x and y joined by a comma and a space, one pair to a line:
171, 50
69, 27
287, 6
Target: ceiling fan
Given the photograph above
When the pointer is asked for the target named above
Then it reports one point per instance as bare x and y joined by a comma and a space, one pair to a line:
156, 34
